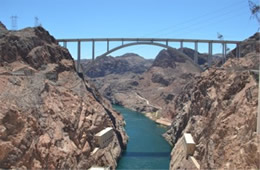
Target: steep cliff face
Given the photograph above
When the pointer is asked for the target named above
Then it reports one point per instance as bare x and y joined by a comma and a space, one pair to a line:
48, 113
219, 109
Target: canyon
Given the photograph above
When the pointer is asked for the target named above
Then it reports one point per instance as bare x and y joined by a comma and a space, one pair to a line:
50, 113
149, 90
216, 105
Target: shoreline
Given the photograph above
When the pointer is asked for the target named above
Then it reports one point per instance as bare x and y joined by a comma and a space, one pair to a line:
152, 116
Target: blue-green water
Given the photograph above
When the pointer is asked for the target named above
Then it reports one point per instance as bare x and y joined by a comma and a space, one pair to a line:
146, 148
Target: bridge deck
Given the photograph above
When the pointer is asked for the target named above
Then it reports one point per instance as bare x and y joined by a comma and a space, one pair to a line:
148, 39
163, 42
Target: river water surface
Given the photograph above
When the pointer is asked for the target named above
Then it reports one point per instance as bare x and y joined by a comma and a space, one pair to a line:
146, 148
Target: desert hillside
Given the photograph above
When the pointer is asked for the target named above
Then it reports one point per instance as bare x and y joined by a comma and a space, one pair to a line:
106, 65
219, 110
48, 113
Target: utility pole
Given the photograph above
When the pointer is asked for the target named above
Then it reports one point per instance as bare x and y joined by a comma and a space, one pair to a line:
14, 22
36, 21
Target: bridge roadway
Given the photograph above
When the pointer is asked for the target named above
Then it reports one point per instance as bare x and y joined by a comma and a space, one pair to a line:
161, 42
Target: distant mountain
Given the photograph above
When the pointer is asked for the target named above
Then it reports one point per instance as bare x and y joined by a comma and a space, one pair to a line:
168, 58
202, 58
106, 65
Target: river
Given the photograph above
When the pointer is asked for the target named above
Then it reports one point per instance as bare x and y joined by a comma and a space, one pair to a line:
146, 148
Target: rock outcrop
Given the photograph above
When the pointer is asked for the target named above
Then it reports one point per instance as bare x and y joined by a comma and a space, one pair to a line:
247, 46
3, 29
219, 109
48, 113
202, 58
106, 65
168, 58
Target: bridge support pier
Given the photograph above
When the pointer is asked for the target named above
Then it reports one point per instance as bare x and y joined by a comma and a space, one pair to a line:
210, 55
224, 50
196, 53
64, 44
78, 60
238, 51
181, 45
107, 45
93, 50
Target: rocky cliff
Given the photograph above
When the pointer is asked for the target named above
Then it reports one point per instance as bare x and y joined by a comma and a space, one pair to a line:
106, 65
48, 113
168, 58
219, 109
202, 58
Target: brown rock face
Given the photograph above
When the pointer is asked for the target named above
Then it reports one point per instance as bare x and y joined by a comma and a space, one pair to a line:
106, 65
252, 44
219, 109
150, 91
202, 58
2, 27
48, 113
168, 58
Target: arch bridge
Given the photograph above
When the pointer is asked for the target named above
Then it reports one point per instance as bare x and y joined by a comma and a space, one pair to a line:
161, 42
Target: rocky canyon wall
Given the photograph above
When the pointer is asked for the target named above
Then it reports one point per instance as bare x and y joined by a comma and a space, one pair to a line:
48, 113
219, 110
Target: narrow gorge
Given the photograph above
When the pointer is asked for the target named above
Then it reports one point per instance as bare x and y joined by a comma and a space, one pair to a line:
54, 117
217, 106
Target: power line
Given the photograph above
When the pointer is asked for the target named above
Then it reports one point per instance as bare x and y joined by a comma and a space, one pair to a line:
199, 21
219, 20
203, 21
199, 26
207, 14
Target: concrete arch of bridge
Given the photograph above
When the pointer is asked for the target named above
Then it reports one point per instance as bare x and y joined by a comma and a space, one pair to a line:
133, 44
146, 43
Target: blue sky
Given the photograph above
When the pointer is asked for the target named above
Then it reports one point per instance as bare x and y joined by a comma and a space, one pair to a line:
193, 19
